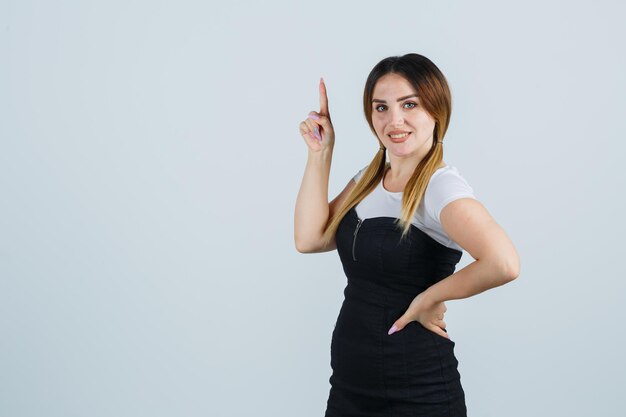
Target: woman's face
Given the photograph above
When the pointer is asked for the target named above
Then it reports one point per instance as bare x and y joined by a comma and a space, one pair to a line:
396, 109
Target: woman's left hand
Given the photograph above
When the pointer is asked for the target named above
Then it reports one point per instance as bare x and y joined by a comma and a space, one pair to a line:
429, 314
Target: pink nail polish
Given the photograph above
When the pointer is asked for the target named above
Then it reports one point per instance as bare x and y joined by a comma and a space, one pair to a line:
314, 116
393, 329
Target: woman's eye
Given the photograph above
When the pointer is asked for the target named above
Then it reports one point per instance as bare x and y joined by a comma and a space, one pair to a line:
382, 106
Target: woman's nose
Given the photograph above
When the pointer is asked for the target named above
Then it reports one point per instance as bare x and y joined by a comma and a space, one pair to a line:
397, 118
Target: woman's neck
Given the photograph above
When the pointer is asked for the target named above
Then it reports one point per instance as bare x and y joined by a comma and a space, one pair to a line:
394, 182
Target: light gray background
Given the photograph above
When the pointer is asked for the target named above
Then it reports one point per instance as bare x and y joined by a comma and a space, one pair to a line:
149, 165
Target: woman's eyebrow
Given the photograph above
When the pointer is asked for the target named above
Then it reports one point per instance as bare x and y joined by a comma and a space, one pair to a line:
400, 99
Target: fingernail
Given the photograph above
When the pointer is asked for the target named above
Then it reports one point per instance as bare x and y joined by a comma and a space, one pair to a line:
393, 329
314, 116
316, 132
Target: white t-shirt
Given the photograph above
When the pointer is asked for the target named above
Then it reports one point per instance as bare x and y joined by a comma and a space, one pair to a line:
445, 185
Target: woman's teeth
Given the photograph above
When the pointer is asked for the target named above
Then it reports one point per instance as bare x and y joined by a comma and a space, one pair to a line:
399, 136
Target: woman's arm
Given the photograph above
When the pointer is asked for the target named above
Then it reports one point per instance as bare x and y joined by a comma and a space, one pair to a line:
468, 223
312, 207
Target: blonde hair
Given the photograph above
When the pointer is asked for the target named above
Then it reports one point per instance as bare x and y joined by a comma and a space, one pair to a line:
435, 98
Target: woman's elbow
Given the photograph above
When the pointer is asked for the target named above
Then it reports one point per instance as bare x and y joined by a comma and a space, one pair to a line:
512, 267
302, 248
305, 246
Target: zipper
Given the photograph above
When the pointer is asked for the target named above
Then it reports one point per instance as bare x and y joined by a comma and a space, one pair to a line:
358, 225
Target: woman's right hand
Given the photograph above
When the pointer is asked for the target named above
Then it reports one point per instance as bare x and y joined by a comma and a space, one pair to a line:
317, 130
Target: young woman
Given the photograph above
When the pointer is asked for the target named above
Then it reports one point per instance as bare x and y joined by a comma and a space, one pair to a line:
399, 227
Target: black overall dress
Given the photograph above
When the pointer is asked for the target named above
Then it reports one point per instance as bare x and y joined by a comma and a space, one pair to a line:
412, 372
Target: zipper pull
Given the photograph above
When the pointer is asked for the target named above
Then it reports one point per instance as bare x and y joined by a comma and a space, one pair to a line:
358, 225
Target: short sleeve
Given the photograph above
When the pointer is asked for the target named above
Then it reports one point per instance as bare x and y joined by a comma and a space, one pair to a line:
360, 173
444, 189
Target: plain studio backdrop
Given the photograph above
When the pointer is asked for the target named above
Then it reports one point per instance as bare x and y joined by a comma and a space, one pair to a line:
150, 161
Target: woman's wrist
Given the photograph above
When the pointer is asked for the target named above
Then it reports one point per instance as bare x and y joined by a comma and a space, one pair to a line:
430, 297
325, 154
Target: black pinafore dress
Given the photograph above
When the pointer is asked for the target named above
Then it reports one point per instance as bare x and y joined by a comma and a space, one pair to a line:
412, 372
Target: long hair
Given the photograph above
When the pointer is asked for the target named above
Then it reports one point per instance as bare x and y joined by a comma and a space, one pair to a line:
435, 98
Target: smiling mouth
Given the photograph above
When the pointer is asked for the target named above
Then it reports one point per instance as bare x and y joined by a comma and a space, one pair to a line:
399, 138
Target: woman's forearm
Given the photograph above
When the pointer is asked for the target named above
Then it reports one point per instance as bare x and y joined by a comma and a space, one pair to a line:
312, 209
473, 279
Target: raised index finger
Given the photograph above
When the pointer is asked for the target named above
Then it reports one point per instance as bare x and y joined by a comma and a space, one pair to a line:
323, 98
